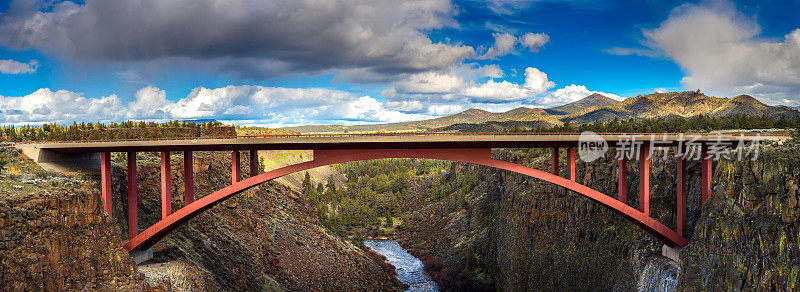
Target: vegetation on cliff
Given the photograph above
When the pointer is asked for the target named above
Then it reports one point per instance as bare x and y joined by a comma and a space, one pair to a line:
370, 201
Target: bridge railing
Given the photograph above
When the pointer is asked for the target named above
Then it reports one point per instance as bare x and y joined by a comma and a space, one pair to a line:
413, 134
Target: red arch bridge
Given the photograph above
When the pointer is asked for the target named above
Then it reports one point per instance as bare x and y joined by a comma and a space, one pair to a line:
339, 148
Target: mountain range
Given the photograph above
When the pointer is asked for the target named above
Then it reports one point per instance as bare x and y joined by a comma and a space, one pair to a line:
595, 107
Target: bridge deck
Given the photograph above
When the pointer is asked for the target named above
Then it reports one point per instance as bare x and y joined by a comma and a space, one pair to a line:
383, 141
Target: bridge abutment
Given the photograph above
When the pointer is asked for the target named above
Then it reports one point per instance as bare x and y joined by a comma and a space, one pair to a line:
61, 162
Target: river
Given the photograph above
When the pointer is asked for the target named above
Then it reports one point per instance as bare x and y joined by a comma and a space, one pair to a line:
409, 269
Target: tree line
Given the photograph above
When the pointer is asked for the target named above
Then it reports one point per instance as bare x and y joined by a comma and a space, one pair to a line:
122, 130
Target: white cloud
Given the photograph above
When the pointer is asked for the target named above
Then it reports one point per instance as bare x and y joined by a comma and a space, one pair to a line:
149, 103
15, 67
534, 41
537, 81
477, 89
363, 109
430, 82
256, 104
60, 106
503, 45
568, 94
497, 92
466, 85
721, 51
450, 81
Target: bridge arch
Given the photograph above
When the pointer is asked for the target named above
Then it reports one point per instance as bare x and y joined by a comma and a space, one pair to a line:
479, 156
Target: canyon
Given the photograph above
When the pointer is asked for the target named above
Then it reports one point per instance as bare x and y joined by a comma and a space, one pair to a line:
493, 231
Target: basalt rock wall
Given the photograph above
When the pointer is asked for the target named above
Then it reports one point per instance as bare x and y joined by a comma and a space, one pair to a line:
515, 233
58, 238
747, 237
266, 238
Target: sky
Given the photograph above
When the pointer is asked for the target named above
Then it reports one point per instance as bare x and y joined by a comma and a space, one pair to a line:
292, 62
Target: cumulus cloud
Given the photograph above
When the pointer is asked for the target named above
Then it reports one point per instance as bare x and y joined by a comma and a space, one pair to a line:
248, 104
149, 103
246, 38
430, 82
60, 106
296, 106
492, 91
537, 81
503, 45
721, 51
15, 67
534, 41
568, 94
465, 87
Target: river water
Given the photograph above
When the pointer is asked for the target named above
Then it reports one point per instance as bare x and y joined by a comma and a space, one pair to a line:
409, 269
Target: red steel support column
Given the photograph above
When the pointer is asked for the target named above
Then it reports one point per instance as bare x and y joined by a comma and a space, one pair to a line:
622, 176
644, 180
105, 181
236, 168
554, 159
133, 206
571, 163
188, 178
166, 191
706, 175
681, 212
253, 163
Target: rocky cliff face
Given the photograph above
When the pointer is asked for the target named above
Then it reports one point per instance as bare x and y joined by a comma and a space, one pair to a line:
54, 235
517, 233
747, 237
267, 238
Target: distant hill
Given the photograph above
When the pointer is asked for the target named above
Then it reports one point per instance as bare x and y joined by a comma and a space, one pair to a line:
589, 109
681, 104
591, 101
467, 116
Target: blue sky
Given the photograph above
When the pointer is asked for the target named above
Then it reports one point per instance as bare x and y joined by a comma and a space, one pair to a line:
277, 63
